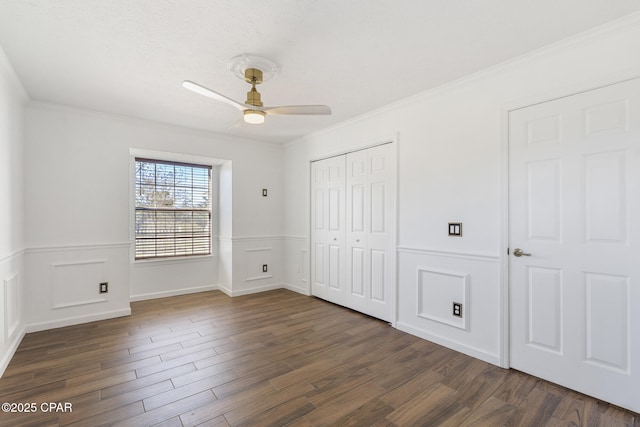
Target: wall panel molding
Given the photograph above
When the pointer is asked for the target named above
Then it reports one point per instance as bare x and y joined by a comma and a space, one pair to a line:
295, 262
11, 307
9, 256
250, 254
255, 238
297, 238
303, 267
432, 281
436, 291
477, 256
72, 247
63, 284
72, 282
12, 329
256, 257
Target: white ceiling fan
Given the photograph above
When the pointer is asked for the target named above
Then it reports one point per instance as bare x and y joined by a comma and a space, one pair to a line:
253, 110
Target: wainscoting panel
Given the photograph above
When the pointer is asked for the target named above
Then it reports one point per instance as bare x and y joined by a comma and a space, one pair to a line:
11, 307
250, 254
258, 261
296, 264
63, 284
430, 281
11, 300
161, 278
76, 283
437, 291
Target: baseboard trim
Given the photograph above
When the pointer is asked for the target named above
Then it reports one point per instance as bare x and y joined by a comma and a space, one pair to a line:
173, 293
225, 290
69, 321
298, 289
454, 345
11, 350
254, 290
231, 293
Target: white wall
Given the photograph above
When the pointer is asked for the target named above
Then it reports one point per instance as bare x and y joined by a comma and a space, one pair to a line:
12, 243
449, 161
78, 215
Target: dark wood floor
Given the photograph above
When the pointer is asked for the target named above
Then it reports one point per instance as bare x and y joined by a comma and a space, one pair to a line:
276, 358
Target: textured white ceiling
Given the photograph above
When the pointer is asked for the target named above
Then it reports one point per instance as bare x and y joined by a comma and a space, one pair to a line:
130, 56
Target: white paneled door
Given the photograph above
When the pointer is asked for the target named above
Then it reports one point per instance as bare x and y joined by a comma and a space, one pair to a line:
328, 229
353, 259
370, 238
574, 232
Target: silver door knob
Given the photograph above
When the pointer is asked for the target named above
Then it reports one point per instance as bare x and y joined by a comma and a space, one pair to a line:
518, 252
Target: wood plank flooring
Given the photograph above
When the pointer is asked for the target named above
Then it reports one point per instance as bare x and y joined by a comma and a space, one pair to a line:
272, 359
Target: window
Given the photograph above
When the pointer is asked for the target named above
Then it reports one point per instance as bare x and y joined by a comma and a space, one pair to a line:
173, 209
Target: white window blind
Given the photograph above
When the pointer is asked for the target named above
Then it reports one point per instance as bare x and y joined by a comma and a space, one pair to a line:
173, 209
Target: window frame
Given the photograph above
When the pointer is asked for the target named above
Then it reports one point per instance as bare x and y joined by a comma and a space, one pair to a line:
175, 158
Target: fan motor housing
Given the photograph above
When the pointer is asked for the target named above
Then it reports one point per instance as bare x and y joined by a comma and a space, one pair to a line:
253, 98
254, 77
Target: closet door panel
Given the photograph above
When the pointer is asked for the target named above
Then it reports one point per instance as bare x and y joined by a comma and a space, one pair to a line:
378, 270
381, 237
318, 229
357, 208
358, 219
357, 284
336, 228
378, 208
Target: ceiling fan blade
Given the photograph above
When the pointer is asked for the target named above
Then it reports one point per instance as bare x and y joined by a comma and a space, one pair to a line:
298, 110
195, 87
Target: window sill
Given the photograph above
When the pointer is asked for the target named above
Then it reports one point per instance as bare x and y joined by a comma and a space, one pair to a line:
153, 262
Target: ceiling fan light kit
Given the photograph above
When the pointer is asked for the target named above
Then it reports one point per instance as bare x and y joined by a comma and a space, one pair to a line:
255, 70
254, 117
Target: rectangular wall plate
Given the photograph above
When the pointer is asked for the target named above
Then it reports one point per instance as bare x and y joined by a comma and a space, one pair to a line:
264, 192
104, 287
455, 229
264, 268
457, 309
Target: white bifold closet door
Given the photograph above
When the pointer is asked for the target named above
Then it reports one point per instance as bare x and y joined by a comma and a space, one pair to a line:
353, 223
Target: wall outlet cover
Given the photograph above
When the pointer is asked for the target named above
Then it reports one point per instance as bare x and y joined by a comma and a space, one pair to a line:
457, 309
